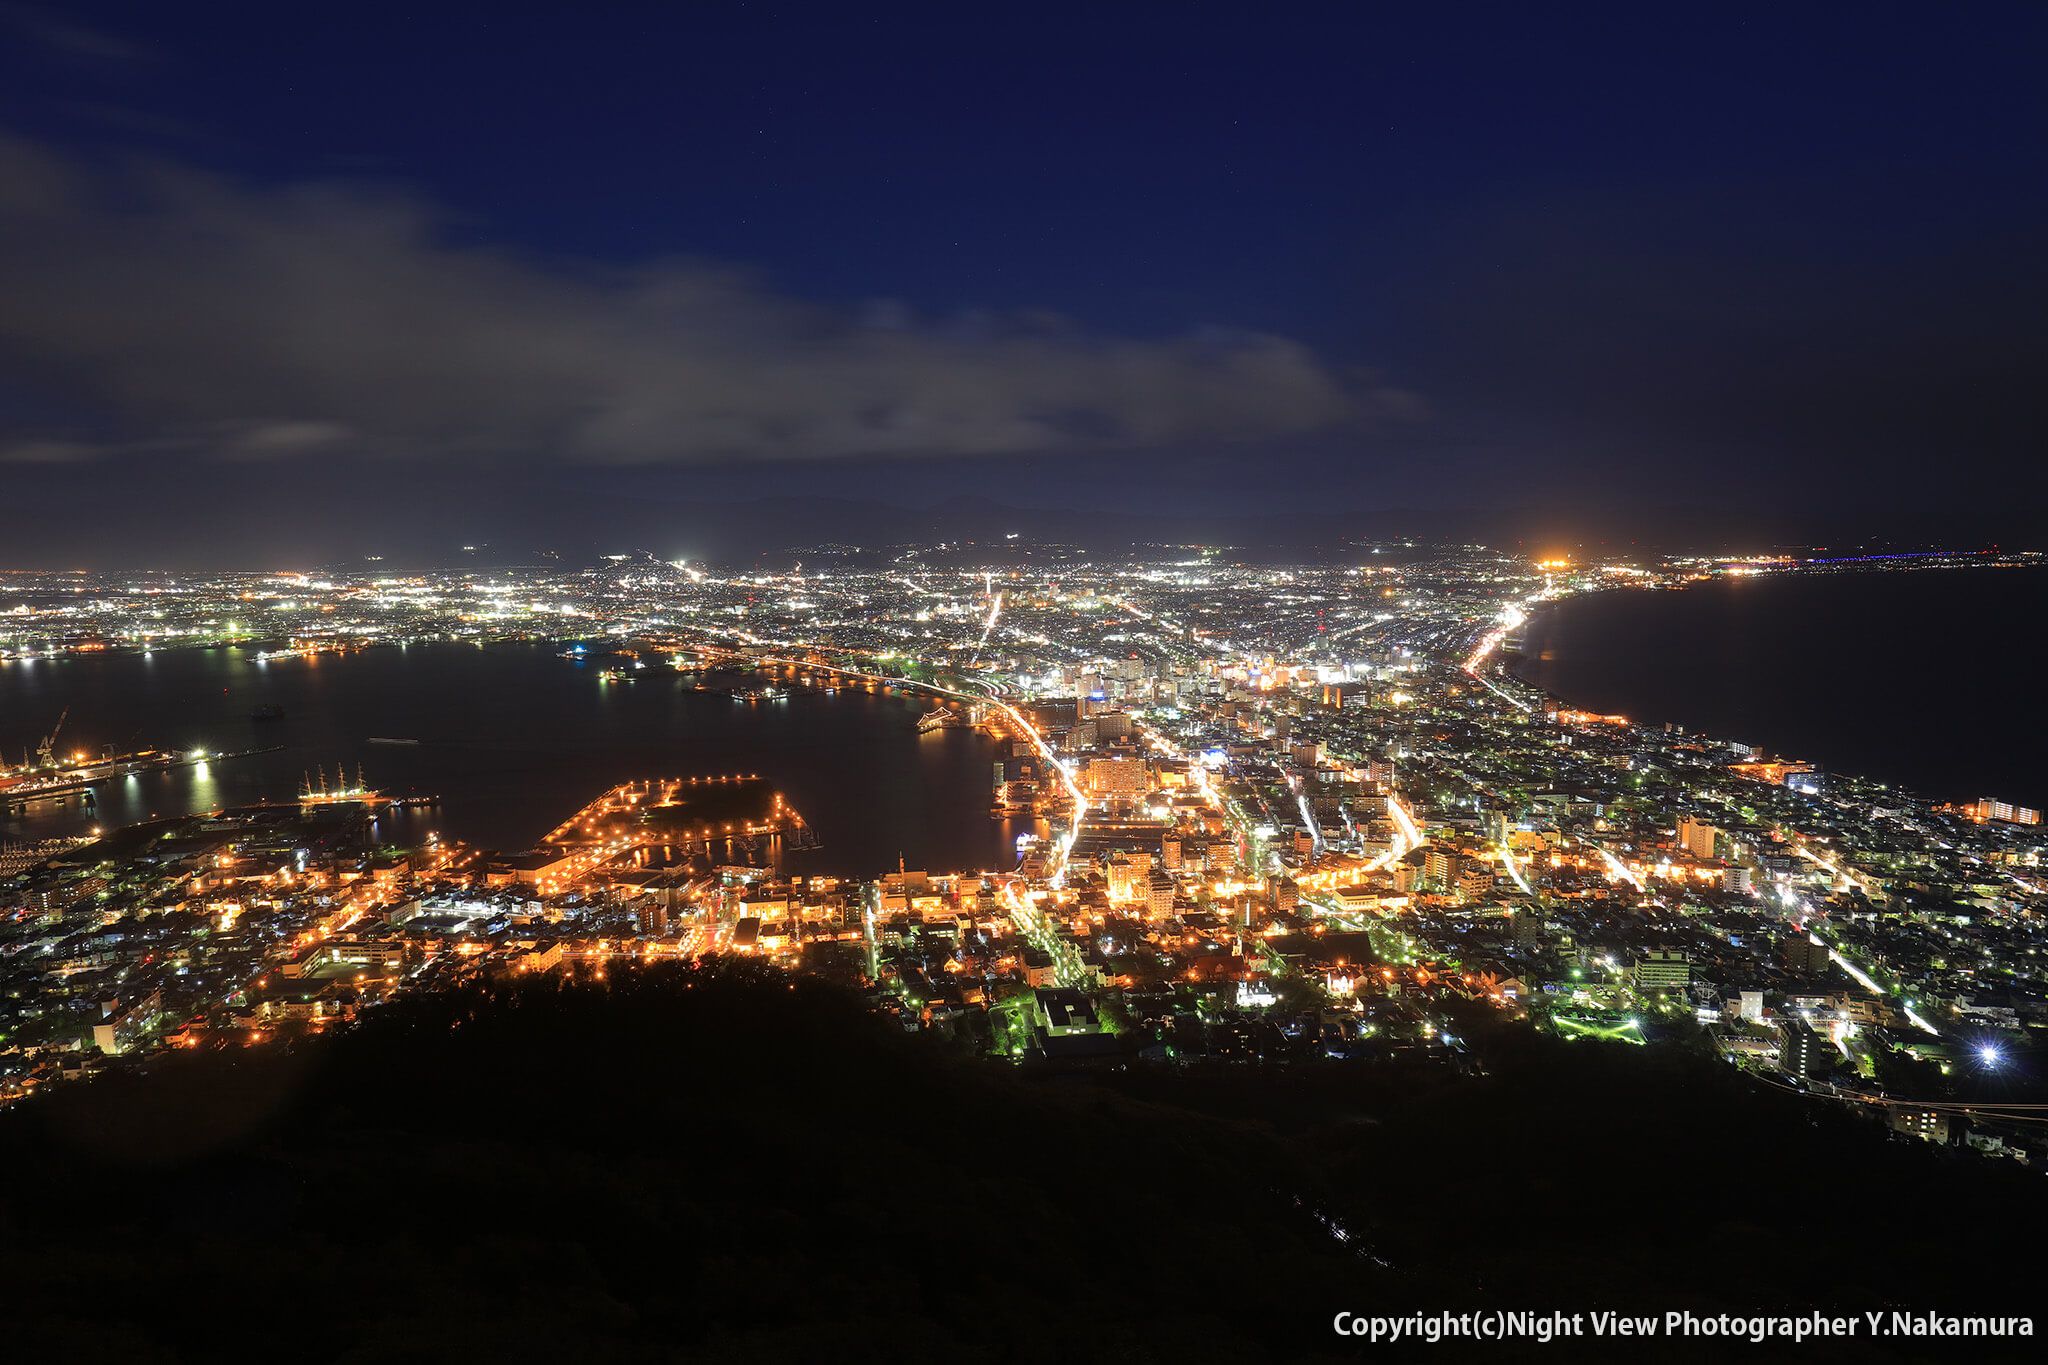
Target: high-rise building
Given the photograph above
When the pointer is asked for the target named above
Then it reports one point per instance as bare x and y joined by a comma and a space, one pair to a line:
1475, 878
2005, 812
1697, 837
1117, 777
1440, 865
1803, 1052
653, 916
1112, 725
1089, 697
1801, 955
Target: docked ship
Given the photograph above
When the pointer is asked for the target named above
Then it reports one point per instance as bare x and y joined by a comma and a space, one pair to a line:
110, 764
759, 692
48, 775
51, 777
343, 792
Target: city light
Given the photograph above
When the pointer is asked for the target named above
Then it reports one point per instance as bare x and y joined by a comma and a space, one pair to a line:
1321, 788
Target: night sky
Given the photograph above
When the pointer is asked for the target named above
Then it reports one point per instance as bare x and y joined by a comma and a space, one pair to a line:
280, 283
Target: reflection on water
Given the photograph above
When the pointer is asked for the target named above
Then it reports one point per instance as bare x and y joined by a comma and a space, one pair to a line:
511, 738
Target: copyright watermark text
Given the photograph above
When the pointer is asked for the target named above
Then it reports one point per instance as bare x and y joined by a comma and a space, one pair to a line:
1513, 1325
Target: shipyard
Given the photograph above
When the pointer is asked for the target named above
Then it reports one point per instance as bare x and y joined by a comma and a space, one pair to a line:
48, 776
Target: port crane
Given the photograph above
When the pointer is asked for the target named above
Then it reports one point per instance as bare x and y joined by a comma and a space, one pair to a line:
48, 752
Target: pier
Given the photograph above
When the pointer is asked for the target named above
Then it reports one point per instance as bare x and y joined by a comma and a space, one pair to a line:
679, 813
60, 784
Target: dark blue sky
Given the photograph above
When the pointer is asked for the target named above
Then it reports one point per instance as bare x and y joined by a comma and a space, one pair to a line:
1404, 256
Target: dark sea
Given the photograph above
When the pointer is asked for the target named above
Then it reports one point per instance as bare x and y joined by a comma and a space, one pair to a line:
1925, 678
512, 738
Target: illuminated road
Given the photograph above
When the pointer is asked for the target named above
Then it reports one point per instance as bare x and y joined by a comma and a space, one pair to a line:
1067, 965
1854, 971
1514, 869
1505, 696
1308, 818
1835, 955
1619, 869
1864, 979
1407, 836
1856, 879
995, 611
1388, 942
1404, 825
1511, 617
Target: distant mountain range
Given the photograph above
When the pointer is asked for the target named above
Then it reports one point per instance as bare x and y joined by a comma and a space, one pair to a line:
775, 530
425, 517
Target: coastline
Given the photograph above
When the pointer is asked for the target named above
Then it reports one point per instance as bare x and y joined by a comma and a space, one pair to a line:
1636, 693
503, 733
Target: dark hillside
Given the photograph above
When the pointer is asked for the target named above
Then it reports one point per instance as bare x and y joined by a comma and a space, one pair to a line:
721, 1163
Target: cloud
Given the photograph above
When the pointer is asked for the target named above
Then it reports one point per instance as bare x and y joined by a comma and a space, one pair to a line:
322, 318
47, 452
72, 39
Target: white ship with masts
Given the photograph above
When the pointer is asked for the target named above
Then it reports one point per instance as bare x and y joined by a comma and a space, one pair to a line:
315, 791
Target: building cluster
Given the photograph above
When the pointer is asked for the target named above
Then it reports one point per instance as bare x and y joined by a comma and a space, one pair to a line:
1283, 812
